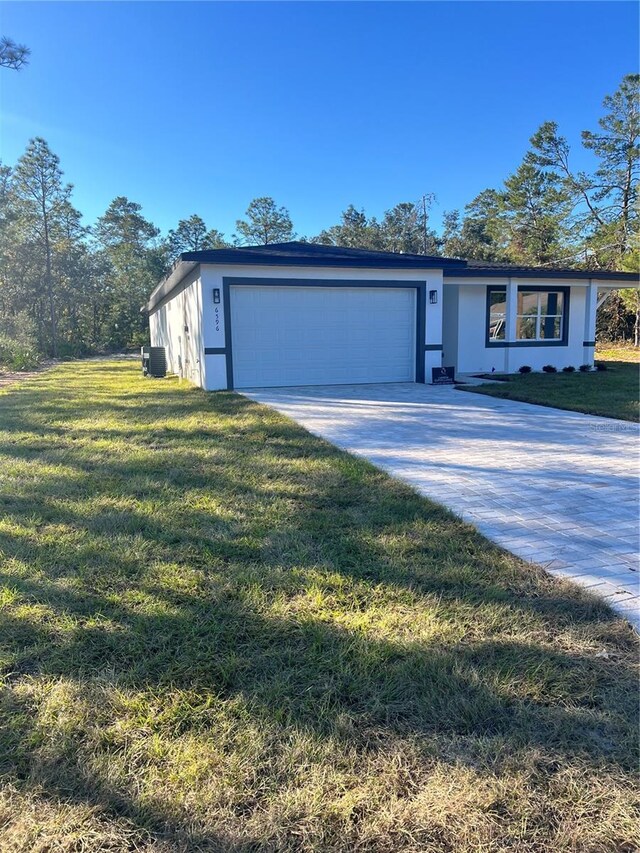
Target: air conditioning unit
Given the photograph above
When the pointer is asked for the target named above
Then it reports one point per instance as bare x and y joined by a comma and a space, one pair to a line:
154, 362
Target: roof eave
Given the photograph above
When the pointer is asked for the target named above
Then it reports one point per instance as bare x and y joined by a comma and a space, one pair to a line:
179, 270
502, 272
346, 262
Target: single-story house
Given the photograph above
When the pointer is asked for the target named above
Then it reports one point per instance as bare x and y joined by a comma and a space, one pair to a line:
307, 314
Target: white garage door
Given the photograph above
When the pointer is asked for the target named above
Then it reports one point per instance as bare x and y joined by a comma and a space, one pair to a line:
322, 335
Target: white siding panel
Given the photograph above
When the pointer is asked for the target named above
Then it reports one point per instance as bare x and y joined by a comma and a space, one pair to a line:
177, 326
289, 335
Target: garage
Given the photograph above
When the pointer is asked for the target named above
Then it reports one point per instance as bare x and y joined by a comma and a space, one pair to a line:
318, 335
288, 314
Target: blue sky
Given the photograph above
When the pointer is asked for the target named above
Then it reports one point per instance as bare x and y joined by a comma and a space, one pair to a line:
200, 107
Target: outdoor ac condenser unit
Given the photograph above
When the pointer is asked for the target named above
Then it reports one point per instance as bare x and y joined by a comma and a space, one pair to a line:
154, 362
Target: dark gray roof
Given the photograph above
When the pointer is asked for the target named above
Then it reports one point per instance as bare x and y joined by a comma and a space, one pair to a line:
301, 254
316, 254
473, 268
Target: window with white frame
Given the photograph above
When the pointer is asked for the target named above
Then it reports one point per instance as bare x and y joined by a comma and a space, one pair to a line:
540, 315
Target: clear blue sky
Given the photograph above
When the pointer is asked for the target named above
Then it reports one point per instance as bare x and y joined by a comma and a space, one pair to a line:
200, 107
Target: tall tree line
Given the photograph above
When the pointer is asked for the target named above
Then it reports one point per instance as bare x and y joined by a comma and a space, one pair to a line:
68, 289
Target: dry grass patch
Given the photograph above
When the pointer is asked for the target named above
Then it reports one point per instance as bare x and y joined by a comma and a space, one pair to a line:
219, 633
618, 352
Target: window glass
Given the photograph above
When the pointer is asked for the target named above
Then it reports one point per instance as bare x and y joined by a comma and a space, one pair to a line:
498, 300
528, 302
540, 315
551, 328
551, 303
526, 328
497, 314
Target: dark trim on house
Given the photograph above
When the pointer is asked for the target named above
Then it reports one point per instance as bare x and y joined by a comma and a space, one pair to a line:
322, 282
421, 330
564, 340
494, 288
433, 347
588, 343
215, 350
227, 331
170, 287
421, 302
469, 271
506, 344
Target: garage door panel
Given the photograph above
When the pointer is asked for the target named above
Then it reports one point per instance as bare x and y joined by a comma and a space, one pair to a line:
290, 335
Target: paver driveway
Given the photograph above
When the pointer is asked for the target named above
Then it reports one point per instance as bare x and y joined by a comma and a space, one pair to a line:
556, 488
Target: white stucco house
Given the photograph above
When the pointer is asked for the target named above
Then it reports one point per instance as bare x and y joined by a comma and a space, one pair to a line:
307, 314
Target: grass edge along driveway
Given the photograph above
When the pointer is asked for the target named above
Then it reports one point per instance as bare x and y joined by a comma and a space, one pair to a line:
611, 393
220, 633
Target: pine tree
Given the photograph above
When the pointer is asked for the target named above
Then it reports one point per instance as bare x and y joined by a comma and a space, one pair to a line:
265, 223
134, 262
191, 235
615, 183
40, 198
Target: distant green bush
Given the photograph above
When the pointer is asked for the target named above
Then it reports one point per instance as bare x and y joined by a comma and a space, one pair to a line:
18, 355
569, 369
524, 369
68, 350
549, 368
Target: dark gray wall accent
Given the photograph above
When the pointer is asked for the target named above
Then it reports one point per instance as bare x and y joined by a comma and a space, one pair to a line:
588, 343
421, 302
432, 347
215, 350
226, 282
322, 282
505, 344
421, 329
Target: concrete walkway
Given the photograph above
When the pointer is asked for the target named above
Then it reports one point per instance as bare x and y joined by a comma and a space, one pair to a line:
556, 488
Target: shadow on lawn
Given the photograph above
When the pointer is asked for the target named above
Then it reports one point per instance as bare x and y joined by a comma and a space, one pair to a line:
133, 628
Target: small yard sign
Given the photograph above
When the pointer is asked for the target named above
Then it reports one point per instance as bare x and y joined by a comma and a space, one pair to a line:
442, 375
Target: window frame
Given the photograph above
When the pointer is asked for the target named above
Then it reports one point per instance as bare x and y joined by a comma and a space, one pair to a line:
562, 341
496, 288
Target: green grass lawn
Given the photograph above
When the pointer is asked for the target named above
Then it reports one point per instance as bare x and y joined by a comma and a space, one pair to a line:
219, 633
613, 393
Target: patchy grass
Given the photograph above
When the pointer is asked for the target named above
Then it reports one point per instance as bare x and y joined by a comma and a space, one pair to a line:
219, 633
618, 352
613, 393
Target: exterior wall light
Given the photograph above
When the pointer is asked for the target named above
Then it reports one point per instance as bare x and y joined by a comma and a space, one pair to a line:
433, 297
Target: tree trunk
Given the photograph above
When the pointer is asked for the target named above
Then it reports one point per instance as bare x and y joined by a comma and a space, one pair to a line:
49, 284
95, 320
